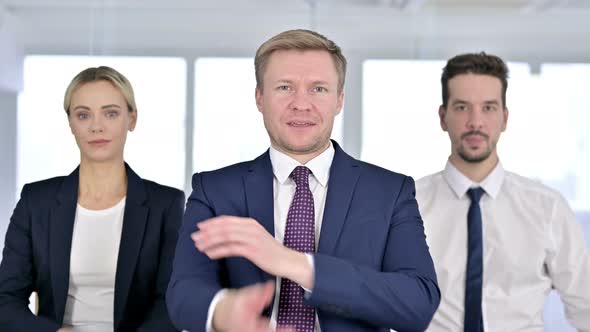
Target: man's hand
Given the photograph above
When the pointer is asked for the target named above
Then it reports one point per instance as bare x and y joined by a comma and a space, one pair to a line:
240, 309
229, 236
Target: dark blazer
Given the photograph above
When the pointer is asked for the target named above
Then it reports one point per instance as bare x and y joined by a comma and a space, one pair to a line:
373, 270
36, 256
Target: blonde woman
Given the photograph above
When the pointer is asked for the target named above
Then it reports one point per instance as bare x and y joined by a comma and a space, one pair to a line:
96, 245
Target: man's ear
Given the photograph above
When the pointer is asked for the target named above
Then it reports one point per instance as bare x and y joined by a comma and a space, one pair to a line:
506, 113
258, 97
340, 102
442, 112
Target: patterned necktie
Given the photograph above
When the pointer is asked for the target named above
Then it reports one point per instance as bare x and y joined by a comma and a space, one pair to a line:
474, 276
300, 236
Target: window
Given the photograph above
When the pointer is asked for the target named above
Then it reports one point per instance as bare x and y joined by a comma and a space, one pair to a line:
155, 150
401, 129
548, 130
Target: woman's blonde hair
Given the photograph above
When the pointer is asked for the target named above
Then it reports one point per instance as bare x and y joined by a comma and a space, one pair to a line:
102, 73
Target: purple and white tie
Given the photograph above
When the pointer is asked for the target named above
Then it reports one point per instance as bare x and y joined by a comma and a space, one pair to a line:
300, 236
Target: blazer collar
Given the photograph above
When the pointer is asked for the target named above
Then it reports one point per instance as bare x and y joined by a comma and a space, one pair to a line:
258, 183
61, 228
259, 195
134, 223
344, 174
68, 191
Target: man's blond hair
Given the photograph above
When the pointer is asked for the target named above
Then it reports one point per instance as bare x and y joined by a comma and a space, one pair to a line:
302, 40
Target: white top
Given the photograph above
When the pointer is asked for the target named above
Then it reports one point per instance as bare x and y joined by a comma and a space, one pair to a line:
283, 191
532, 243
93, 265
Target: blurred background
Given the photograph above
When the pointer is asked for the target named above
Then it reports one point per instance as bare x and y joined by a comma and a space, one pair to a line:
191, 65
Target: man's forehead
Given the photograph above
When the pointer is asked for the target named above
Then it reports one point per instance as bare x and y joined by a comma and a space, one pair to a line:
302, 56
313, 62
475, 80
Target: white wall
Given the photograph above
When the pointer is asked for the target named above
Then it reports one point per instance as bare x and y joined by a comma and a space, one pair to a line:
7, 159
11, 81
11, 54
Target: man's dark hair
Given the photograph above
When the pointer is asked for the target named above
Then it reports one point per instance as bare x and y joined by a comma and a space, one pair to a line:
474, 63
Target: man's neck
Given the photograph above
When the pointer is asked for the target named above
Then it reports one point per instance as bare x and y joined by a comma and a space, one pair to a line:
476, 172
303, 158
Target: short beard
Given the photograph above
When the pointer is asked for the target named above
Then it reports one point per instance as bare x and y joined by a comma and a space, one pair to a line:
479, 158
474, 159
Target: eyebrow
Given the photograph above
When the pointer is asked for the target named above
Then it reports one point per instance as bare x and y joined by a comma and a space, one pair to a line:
111, 106
320, 82
86, 108
282, 81
459, 101
487, 102
291, 81
81, 108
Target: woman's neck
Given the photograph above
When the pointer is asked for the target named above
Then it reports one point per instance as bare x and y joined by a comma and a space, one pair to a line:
101, 185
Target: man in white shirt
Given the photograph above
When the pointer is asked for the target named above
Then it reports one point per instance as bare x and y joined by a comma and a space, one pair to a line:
500, 242
258, 223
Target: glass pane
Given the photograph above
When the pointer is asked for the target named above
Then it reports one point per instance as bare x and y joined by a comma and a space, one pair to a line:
155, 150
549, 128
401, 129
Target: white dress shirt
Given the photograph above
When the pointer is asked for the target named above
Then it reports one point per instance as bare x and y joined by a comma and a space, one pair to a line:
93, 265
283, 192
531, 244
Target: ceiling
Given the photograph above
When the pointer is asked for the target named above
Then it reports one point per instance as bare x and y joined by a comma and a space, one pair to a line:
523, 29
236, 4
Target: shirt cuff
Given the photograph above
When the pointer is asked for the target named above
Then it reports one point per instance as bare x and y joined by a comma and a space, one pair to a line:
218, 297
308, 292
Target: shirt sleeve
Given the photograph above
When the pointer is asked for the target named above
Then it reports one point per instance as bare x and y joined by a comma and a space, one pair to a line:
307, 293
568, 264
218, 297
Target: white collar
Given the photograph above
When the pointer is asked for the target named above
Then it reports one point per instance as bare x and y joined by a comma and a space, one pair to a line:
460, 183
283, 165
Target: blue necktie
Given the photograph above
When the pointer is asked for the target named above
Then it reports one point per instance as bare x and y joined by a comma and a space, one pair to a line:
474, 275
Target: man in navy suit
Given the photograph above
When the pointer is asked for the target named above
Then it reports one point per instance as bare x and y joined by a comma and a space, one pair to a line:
246, 258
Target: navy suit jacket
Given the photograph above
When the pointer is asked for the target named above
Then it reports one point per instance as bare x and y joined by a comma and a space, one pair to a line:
36, 256
373, 270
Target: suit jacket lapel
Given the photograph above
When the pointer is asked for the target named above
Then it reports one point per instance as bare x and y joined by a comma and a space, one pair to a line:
258, 183
134, 222
344, 174
61, 228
